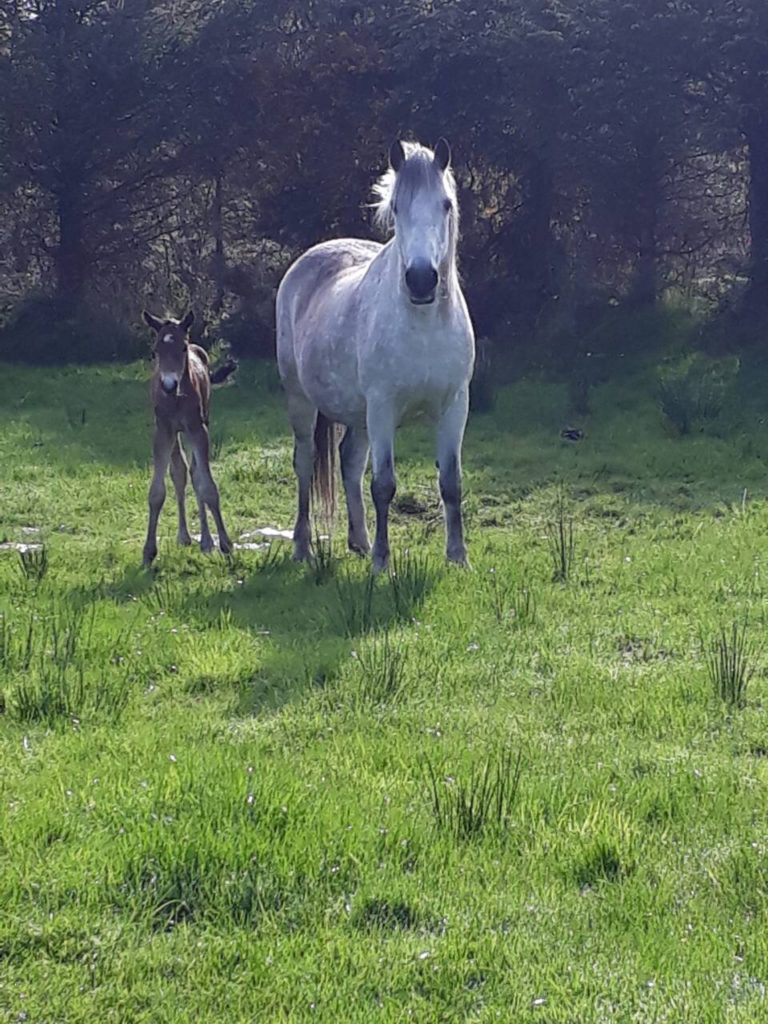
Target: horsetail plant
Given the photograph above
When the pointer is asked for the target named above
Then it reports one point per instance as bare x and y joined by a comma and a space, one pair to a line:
468, 809
561, 543
33, 564
731, 665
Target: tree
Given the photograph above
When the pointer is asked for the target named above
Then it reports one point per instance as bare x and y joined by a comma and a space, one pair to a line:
88, 119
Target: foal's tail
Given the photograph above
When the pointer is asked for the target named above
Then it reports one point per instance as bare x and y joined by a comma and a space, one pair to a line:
220, 374
324, 474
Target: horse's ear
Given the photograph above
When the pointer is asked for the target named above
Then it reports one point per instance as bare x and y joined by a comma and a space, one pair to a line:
442, 154
187, 322
152, 321
396, 155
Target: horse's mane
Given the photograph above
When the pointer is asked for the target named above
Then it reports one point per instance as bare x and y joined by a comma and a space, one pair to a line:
418, 170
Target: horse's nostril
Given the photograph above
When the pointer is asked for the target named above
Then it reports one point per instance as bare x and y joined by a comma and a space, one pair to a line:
421, 280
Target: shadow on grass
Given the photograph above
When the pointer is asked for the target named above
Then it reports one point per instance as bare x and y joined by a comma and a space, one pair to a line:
307, 618
74, 415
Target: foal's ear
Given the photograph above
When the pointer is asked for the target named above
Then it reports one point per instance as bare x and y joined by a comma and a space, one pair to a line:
187, 322
442, 154
396, 155
152, 321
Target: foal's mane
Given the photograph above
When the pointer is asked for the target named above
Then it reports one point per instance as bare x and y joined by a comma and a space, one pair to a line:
418, 170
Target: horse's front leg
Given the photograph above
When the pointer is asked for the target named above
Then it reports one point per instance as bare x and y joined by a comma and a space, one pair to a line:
381, 433
162, 442
206, 491
179, 477
450, 434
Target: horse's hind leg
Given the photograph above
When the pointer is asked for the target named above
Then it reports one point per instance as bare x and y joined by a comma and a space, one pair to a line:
179, 477
354, 457
207, 492
162, 443
303, 417
450, 434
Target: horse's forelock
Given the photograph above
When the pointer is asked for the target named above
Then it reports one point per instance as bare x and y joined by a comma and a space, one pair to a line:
417, 170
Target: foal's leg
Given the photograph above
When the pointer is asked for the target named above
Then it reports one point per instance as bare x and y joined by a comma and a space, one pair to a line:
207, 492
381, 431
179, 477
450, 433
354, 457
303, 417
162, 442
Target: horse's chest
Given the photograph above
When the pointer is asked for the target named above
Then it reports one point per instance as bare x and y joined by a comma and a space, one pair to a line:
421, 374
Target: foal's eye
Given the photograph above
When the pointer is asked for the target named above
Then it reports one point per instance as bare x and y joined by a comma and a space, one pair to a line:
394, 210
447, 205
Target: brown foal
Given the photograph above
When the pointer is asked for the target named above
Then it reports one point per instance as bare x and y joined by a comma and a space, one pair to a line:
181, 390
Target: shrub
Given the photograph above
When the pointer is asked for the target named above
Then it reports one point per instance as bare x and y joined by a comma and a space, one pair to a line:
42, 330
693, 390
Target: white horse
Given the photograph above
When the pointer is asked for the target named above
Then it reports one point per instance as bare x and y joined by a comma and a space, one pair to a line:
369, 334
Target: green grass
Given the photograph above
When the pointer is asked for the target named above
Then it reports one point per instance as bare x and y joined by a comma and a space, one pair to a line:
245, 790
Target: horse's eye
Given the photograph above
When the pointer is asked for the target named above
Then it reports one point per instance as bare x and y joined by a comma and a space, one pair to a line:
394, 210
447, 205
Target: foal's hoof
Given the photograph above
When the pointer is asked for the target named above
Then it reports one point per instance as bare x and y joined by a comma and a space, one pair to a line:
183, 538
380, 564
206, 545
301, 554
225, 545
150, 554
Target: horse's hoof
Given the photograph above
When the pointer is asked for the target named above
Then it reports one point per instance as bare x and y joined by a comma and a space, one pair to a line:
225, 546
183, 540
460, 561
380, 565
301, 555
363, 550
206, 546
149, 557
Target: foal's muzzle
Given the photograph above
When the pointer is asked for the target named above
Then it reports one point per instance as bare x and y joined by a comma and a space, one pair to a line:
169, 382
421, 281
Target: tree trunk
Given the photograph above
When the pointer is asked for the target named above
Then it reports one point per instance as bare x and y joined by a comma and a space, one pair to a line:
70, 256
536, 247
756, 134
217, 229
645, 286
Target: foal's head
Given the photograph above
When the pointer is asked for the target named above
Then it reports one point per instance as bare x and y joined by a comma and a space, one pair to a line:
171, 344
418, 198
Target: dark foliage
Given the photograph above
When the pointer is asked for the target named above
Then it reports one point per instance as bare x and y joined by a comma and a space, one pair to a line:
164, 155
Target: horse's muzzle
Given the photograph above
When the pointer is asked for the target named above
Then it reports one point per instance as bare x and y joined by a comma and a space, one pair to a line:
169, 382
421, 281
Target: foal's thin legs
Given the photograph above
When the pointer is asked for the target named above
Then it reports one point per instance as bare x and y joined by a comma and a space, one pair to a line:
179, 477
162, 442
450, 434
354, 457
303, 417
381, 431
207, 492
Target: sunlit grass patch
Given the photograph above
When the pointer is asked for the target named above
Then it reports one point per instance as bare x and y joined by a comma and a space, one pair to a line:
249, 789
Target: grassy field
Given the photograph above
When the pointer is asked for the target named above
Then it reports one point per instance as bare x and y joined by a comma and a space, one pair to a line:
245, 790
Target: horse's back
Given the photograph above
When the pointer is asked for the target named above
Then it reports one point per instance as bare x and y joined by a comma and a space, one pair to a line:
200, 375
314, 306
321, 266
313, 279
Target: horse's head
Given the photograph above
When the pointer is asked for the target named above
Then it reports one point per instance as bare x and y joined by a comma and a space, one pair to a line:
422, 206
171, 344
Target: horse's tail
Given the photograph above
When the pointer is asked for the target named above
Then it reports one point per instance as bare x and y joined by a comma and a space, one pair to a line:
220, 374
324, 474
